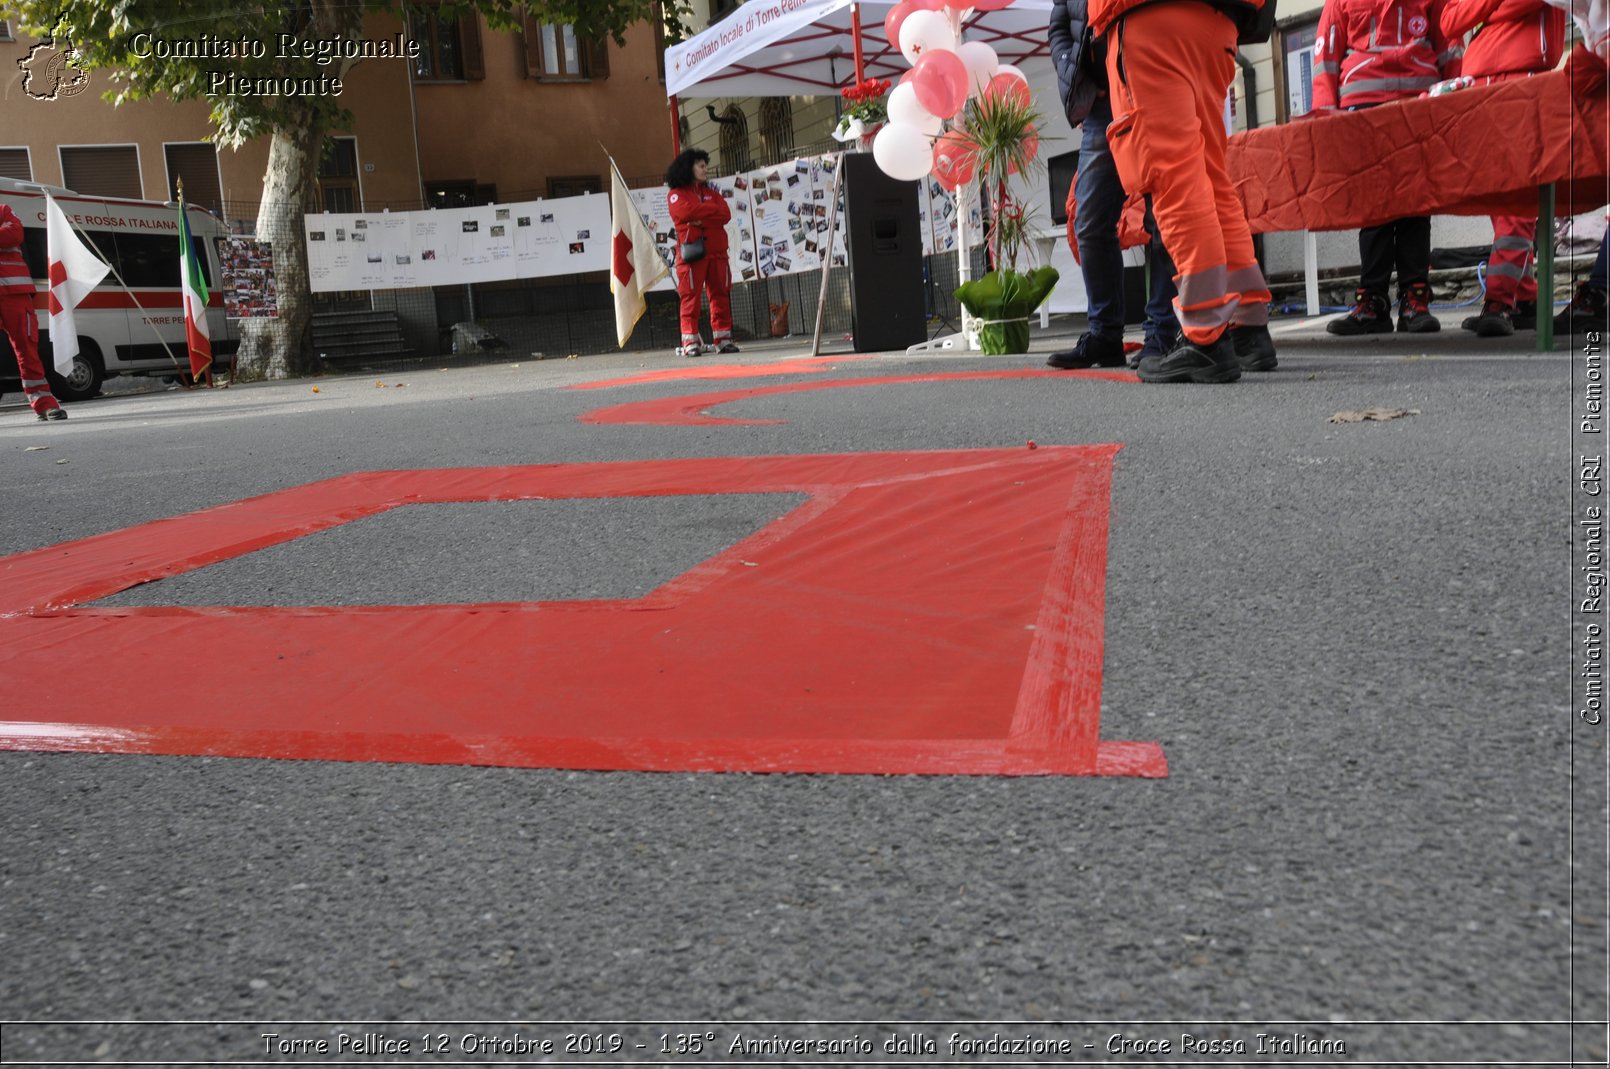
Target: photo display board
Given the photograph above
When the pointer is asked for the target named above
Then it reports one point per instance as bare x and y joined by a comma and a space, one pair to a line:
779, 224
250, 289
452, 246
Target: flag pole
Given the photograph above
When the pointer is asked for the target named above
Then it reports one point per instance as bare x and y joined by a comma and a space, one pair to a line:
827, 255
185, 254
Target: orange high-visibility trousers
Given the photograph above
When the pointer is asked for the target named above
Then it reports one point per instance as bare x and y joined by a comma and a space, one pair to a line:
1168, 67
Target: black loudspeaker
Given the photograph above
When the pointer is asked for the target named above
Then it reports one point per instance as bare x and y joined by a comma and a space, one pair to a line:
1061, 171
885, 247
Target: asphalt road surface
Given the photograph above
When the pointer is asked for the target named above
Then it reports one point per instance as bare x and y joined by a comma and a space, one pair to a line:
1353, 641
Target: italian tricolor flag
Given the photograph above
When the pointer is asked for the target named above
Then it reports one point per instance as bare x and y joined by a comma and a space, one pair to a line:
195, 300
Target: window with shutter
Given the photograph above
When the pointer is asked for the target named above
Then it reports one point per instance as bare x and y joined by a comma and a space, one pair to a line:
14, 163
574, 185
5, 30
777, 129
554, 53
449, 46
735, 155
459, 194
197, 164
338, 175
469, 36
104, 170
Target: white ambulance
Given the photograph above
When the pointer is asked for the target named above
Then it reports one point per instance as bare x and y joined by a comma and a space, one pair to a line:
133, 323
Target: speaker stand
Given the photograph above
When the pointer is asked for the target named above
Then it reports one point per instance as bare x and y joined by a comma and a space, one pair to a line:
950, 342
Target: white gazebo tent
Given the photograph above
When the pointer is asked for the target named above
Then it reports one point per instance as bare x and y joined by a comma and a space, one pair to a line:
819, 47
804, 47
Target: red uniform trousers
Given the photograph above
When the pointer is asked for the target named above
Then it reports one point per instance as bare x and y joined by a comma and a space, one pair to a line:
1168, 67
1510, 277
691, 281
21, 325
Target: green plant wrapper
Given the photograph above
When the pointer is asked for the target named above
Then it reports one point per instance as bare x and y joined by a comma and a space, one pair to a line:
1005, 299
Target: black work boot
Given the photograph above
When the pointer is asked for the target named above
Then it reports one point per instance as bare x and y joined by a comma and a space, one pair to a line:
1497, 320
1585, 312
1254, 348
1371, 314
1092, 350
1414, 311
1189, 362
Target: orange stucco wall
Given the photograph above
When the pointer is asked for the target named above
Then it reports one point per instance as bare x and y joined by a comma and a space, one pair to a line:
515, 132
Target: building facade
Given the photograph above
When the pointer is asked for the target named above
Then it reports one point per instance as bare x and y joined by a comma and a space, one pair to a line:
480, 115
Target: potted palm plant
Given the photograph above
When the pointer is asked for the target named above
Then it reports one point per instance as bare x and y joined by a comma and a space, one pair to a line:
1000, 126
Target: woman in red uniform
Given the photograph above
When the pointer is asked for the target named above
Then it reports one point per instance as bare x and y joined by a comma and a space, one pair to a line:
1514, 39
699, 211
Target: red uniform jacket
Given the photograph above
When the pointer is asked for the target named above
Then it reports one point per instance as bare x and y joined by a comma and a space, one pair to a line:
14, 274
1378, 51
698, 210
1514, 36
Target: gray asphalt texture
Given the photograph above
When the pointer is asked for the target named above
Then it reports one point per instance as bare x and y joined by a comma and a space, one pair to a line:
1351, 640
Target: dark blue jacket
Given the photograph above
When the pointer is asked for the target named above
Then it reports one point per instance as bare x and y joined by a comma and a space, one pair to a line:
1080, 60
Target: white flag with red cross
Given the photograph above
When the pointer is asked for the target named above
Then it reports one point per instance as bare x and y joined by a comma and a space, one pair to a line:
74, 271
635, 264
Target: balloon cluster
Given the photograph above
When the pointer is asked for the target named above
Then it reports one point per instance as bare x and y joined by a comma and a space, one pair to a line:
945, 73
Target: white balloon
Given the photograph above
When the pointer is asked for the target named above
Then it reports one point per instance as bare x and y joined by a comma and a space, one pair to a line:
925, 31
904, 107
903, 152
981, 63
1007, 68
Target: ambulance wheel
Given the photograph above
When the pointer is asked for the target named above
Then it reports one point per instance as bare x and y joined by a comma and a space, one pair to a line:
84, 381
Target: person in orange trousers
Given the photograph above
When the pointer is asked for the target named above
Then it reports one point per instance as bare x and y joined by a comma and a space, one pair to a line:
1169, 65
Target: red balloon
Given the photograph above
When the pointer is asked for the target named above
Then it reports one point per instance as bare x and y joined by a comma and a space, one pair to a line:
906, 76
1031, 146
1006, 85
955, 159
892, 21
940, 81
898, 13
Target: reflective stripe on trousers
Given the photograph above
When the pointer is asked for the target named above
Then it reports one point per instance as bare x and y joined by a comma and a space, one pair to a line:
1509, 268
21, 325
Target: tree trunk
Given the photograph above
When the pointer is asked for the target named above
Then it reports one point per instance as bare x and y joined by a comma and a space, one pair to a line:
281, 347
278, 348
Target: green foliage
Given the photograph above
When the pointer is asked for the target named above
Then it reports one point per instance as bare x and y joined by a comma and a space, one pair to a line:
1002, 126
1004, 129
1004, 300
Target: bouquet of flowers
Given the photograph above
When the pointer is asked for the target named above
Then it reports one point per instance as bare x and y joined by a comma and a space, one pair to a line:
868, 108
